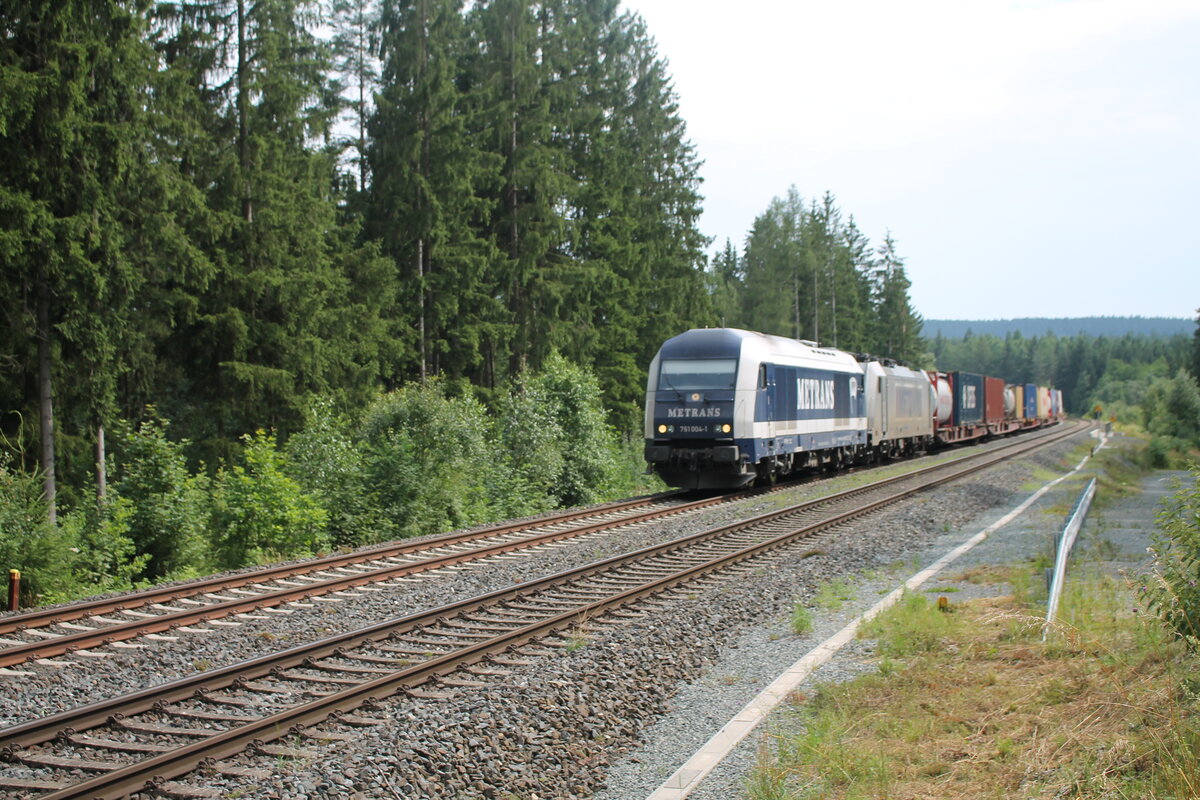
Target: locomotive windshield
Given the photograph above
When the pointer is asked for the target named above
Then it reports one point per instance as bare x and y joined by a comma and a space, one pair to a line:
703, 374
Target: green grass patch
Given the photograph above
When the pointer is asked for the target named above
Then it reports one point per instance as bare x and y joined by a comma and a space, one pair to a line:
973, 704
801, 619
832, 595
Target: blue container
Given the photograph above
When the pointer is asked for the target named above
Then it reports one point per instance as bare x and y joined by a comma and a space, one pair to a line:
1030, 410
968, 398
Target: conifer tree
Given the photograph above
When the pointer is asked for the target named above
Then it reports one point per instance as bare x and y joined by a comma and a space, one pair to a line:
899, 329
71, 121
429, 174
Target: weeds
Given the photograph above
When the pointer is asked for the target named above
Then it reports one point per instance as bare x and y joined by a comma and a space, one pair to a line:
801, 619
832, 595
973, 704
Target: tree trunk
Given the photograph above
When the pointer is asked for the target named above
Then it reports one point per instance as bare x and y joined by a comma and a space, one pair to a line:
243, 82
101, 465
45, 398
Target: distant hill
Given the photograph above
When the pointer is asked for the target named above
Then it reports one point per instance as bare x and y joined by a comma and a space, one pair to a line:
1040, 326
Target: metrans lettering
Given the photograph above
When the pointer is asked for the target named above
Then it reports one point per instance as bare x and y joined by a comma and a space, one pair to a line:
814, 393
709, 411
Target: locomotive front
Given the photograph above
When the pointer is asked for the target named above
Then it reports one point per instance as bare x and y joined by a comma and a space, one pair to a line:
692, 408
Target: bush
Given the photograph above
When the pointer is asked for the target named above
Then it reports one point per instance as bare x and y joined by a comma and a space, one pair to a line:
29, 543
105, 557
590, 464
328, 462
168, 506
1172, 590
528, 441
259, 513
428, 458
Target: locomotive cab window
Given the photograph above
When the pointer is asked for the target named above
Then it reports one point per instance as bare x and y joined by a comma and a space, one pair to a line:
703, 374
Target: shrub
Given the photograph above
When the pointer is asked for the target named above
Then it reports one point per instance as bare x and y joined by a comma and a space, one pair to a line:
1172, 590
590, 465
28, 542
168, 509
428, 457
329, 463
259, 513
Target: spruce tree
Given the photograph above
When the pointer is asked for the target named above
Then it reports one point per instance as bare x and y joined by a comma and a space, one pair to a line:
71, 125
429, 175
899, 329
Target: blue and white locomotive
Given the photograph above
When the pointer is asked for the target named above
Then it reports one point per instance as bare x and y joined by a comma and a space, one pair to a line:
726, 406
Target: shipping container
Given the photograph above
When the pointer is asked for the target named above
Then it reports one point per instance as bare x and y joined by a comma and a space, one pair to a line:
968, 398
1062, 412
1043, 403
993, 400
943, 409
1018, 401
1029, 408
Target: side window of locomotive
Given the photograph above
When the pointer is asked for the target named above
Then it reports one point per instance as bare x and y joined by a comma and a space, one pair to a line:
762, 376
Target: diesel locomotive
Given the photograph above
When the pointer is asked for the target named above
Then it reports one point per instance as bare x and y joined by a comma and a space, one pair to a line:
727, 407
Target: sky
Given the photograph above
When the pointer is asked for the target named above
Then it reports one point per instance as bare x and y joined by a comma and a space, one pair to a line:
1030, 158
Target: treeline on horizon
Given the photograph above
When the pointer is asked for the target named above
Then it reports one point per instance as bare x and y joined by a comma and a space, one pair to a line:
1111, 327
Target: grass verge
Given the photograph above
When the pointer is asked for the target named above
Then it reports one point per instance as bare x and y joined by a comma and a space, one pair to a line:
973, 704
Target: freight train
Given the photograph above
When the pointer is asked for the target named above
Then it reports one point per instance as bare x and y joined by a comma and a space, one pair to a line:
727, 407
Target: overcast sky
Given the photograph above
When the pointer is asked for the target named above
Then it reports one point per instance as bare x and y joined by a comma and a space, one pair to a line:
1031, 158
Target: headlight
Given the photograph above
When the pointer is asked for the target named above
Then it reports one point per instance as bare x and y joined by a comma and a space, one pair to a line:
726, 428
662, 428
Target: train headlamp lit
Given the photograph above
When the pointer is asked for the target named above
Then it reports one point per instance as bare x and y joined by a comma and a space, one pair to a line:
696, 397
726, 428
662, 428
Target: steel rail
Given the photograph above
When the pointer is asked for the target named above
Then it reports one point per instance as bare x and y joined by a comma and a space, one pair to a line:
145, 773
122, 631
49, 616
94, 714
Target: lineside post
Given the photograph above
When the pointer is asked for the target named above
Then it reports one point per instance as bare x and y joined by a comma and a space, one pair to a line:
14, 589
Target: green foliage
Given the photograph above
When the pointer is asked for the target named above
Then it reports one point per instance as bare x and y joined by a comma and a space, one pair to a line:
911, 627
1171, 408
1113, 373
105, 554
585, 441
329, 463
809, 273
31, 544
1172, 589
167, 506
427, 455
261, 514
801, 619
89, 551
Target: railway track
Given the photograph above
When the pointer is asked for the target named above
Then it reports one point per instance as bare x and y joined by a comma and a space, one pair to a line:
152, 737
168, 612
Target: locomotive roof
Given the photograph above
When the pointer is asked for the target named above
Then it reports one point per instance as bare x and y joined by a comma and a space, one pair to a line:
729, 342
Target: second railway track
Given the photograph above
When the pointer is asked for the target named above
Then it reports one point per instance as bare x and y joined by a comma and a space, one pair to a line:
165, 732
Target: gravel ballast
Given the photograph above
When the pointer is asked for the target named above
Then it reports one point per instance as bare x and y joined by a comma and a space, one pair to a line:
607, 719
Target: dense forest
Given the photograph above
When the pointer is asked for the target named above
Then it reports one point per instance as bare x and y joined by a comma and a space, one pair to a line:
263, 257
282, 276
